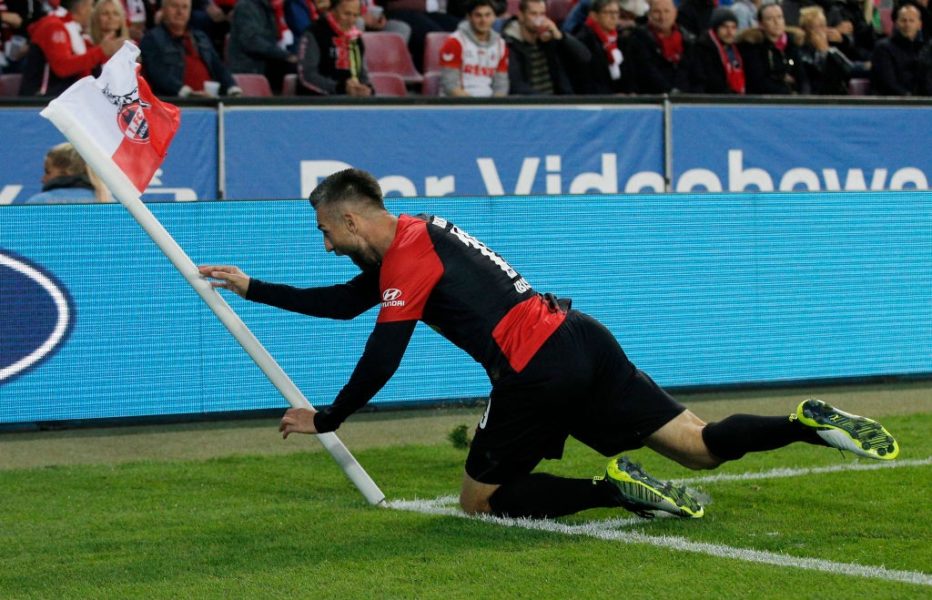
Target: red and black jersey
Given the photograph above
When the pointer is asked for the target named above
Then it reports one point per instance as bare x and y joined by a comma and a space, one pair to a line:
436, 273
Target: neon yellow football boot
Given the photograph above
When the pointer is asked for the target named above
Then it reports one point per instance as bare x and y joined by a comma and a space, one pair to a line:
642, 494
859, 435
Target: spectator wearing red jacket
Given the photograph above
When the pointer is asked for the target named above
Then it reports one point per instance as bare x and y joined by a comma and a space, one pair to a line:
61, 53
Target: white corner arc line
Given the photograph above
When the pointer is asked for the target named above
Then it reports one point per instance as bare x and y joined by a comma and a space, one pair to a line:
608, 529
783, 472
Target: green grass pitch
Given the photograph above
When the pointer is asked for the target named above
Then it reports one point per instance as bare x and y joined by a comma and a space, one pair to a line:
291, 526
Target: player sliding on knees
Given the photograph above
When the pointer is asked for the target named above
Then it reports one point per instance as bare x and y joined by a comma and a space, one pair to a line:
555, 372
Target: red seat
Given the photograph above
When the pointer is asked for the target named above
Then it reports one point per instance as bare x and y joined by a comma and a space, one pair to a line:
886, 20
558, 9
289, 84
253, 84
388, 84
433, 41
431, 86
9, 84
386, 52
859, 87
514, 7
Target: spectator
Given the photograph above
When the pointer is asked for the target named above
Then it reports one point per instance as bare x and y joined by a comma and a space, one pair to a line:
15, 18
895, 62
925, 14
659, 54
259, 38
827, 68
630, 12
925, 69
134, 13
179, 60
60, 53
540, 56
331, 54
693, 15
108, 19
423, 17
746, 13
851, 27
772, 62
717, 66
373, 19
608, 70
301, 14
68, 179
474, 60
213, 18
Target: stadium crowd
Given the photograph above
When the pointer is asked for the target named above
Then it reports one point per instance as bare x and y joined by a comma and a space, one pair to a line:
477, 48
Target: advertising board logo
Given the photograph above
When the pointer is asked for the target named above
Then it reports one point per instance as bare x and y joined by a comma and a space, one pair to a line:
36, 315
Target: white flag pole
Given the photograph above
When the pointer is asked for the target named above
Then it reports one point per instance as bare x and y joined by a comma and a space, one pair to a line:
129, 197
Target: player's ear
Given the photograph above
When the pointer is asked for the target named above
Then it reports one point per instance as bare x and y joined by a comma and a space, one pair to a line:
349, 221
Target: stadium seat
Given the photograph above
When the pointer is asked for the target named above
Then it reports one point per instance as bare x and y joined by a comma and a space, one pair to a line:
254, 84
289, 84
431, 86
514, 7
433, 41
388, 84
859, 87
9, 84
386, 52
886, 20
558, 9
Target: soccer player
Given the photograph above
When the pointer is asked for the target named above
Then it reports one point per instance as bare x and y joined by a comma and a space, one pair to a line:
555, 372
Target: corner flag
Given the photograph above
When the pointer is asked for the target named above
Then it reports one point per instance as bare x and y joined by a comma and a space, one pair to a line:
123, 132
121, 116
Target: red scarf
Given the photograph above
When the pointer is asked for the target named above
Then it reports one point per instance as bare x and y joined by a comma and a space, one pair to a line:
343, 41
781, 43
312, 8
278, 7
609, 40
671, 46
734, 72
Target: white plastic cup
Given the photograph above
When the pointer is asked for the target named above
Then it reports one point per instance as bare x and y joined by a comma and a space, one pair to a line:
212, 88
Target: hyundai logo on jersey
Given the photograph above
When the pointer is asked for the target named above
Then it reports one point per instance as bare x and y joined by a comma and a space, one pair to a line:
36, 315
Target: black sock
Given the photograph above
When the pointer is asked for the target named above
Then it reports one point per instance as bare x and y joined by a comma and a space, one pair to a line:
540, 495
739, 434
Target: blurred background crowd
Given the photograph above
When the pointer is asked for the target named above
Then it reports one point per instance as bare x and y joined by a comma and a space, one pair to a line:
478, 48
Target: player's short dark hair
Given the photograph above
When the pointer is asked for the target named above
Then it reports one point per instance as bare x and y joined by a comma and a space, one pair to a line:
351, 184
472, 5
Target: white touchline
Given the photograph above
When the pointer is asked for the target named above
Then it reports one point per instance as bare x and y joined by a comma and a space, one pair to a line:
610, 529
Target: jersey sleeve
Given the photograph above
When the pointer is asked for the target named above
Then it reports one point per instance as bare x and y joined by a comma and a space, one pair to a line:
408, 276
451, 54
503, 63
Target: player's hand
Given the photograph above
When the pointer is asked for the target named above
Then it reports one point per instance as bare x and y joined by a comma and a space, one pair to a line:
227, 277
297, 420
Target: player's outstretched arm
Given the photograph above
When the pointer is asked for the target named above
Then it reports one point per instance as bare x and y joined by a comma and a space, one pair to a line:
297, 420
227, 277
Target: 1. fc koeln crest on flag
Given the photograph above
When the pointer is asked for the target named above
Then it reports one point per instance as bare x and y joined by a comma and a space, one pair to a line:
120, 116
131, 115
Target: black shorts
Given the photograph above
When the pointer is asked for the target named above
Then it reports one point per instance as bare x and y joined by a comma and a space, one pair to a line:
580, 384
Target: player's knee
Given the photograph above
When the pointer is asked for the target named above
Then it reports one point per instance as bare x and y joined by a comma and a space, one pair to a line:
472, 504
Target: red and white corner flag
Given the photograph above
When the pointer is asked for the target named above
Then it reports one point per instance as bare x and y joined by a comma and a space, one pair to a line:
122, 131
121, 116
